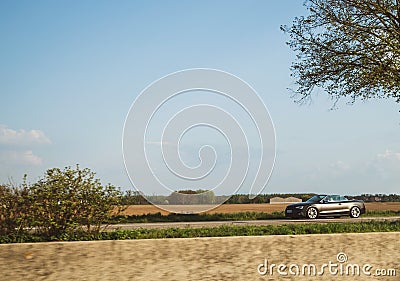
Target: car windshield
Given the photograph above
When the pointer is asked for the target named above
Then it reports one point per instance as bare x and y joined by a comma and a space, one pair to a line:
316, 198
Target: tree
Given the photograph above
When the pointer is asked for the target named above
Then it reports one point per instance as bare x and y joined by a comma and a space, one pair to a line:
66, 199
132, 197
13, 208
350, 48
191, 197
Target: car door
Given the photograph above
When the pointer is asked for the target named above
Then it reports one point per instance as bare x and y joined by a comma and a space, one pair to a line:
330, 205
345, 205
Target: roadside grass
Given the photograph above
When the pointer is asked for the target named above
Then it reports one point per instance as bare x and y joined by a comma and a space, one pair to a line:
221, 231
158, 217
381, 213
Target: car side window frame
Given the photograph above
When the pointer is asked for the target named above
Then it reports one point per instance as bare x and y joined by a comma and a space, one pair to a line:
329, 199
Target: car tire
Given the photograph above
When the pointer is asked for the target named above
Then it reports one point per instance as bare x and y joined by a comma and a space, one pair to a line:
355, 212
312, 213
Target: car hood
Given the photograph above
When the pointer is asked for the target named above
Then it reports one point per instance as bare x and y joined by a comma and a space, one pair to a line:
298, 204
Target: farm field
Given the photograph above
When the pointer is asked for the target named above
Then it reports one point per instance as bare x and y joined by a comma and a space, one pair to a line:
266, 208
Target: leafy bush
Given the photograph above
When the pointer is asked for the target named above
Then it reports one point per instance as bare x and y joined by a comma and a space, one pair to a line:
60, 202
66, 199
13, 208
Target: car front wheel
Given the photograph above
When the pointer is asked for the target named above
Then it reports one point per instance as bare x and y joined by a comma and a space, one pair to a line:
355, 212
312, 213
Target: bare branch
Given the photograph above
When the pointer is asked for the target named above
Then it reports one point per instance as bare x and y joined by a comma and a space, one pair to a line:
348, 47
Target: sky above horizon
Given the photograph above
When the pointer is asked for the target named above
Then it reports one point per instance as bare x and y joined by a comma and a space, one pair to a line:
70, 71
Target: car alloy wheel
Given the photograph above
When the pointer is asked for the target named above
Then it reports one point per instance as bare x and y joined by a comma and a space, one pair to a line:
312, 213
355, 212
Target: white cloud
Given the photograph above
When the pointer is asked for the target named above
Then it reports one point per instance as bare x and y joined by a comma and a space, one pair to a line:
388, 155
20, 158
22, 137
340, 165
385, 166
15, 146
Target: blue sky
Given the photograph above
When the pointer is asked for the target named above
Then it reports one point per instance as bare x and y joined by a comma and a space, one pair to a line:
70, 71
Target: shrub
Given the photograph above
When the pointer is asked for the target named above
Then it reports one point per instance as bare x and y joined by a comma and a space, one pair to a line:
13, 208
67, 199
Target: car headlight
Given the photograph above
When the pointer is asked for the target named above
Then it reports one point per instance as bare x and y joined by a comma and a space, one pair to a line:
299, 207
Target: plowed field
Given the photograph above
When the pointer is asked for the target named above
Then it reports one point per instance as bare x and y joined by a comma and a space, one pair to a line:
235, 208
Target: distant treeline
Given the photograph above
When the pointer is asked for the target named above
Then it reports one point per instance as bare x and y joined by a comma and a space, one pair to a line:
264, 198
135, 198
377, 197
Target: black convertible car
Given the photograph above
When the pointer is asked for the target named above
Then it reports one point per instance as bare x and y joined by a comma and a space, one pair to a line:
326, 206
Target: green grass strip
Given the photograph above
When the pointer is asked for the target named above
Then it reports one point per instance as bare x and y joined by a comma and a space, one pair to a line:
222, 231
158, 217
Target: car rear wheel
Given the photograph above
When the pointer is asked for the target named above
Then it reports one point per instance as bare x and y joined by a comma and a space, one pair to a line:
355, 212
312, 213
